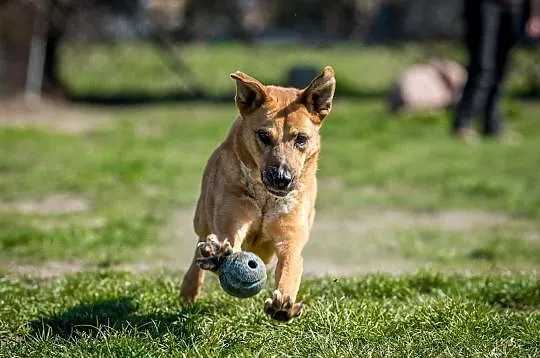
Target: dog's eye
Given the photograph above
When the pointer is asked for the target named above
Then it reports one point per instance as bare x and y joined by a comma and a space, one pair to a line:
301, 141
264, 137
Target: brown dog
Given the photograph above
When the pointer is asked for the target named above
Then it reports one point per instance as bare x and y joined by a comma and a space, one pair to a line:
259, 186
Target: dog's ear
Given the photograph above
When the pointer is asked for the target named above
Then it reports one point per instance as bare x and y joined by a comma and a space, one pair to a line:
250, 93
318, 95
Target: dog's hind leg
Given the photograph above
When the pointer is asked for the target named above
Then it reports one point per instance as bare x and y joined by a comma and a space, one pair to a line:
190, 289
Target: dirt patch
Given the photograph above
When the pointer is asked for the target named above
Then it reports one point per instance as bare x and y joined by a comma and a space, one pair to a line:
177, 240
366, 241
455, 220
61, 268
50, 223
149, 130
338, 247
46, 270
57, 116
395, 266
55, 204
312, 268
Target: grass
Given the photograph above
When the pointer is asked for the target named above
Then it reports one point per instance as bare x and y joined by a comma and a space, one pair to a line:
118, 314
111, 69
136, 68
396, 195
148, 161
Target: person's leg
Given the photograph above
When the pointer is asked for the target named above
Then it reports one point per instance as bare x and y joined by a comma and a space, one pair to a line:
482, 19
463, 115
512, 24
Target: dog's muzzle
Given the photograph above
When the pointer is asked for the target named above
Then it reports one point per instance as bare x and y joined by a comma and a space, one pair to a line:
278, 180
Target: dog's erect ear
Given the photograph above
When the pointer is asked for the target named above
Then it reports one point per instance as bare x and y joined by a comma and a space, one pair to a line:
318, 95
250, 93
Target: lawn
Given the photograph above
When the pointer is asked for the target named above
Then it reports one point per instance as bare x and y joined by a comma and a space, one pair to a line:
422, 246
123, 314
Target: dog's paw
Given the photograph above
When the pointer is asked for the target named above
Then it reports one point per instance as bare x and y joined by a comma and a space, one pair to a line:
282, 308
213, 251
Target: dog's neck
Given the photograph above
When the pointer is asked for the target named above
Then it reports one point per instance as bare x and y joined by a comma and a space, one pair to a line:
248, 179
245, 161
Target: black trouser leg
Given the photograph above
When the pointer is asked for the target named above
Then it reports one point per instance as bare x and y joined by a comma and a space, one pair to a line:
512, 23
483, 19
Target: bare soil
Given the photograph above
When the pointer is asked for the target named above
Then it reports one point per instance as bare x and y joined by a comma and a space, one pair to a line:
53, 204
52, 115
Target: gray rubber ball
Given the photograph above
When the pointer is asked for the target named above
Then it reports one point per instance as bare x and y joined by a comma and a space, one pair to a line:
242, 274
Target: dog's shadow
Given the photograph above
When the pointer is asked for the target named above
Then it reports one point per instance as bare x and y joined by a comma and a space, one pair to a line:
119, 314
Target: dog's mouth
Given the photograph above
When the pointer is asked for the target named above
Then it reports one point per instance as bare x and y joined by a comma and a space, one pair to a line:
278, 192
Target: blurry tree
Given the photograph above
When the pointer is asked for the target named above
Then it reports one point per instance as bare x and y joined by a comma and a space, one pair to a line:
319, 19
24, 27
246, 19
203, 19
316, 18
31, 32
429, 19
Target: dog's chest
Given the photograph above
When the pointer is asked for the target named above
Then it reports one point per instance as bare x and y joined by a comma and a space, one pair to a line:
278, 206
274, 209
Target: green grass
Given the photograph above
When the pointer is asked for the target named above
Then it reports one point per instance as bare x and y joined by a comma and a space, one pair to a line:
149, 161
119, 314
109, 69
396, 194
136, 68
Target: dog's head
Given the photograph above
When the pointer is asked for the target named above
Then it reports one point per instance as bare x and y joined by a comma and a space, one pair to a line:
279, 127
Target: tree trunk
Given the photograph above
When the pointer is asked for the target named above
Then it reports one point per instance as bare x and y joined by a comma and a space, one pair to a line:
52, 85
17, 28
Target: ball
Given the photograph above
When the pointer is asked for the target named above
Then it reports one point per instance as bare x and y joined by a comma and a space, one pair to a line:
242, 274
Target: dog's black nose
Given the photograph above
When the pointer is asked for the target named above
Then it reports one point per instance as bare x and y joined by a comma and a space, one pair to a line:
278, 177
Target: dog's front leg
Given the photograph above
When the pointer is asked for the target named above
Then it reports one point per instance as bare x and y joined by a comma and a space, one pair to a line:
230, 232
289, 243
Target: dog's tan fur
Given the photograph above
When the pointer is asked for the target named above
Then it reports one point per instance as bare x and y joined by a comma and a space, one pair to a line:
237, 212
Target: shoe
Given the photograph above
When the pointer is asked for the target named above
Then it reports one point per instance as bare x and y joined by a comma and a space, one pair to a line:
466, 134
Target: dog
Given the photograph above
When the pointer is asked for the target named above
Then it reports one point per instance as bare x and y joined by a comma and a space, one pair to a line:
259, 186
